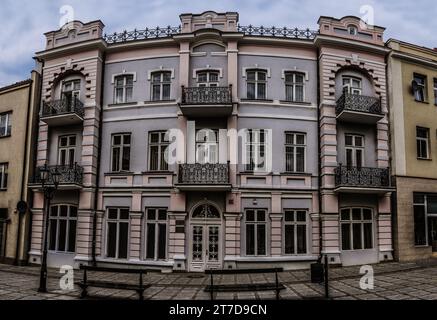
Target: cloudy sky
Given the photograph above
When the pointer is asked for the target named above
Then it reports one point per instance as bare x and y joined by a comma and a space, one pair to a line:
25, 21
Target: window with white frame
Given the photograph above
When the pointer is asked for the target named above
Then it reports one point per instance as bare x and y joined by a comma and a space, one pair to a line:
62, 228
256, 149
158, 148
156, 234
425, 219
208, 78
161, 84
356, 228
117, 233
422, 142
207, 146
295, 150
295, 86
124, 86
3, 176
352, 85
352, 30
256, 81
420, 87
67, 150
70, 92
120, 152
256, 232
5, 124
295, 231
354, 146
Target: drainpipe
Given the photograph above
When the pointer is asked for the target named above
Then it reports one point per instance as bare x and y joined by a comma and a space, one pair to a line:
99, 156
319, 160
38, 98
23, 178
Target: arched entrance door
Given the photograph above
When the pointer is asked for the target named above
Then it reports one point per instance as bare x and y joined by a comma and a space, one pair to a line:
205, 245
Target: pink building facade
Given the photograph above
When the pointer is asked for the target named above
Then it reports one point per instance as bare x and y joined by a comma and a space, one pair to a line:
213, 145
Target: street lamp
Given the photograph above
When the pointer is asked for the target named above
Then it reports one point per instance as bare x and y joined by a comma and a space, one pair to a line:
50, 182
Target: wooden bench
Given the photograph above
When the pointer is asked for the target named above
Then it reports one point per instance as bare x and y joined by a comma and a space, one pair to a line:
85, 283
276, 286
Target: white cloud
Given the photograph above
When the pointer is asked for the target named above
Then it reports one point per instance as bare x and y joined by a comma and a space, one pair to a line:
25, 21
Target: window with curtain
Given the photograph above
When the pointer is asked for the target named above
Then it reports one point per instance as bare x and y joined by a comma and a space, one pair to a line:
124, 86
295, 149
158, 148
294, 86
356, 228
256, 81
161, 84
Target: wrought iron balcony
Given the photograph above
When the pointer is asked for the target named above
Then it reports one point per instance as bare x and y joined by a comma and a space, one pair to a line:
362, 177
70, 176
206, 101
207, 95
204, 175
62, 112
358, 108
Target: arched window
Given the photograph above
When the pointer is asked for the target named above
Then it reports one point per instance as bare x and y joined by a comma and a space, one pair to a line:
206, 211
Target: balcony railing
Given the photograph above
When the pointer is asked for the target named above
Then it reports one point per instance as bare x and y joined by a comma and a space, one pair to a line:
62, 107
68, 174
206, 95
167, 32
362, 177
358, 103
205, 174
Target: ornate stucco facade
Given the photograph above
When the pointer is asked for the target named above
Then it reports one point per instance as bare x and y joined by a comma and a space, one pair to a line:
261, 120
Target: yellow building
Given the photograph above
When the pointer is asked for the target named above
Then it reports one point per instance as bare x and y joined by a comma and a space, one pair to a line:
412, 75
18, 116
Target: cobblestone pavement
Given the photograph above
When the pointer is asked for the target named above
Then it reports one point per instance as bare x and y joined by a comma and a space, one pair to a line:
393, 281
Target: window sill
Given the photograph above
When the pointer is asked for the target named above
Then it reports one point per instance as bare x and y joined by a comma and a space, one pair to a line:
4, 137
3, 190
264, 173
122, 104
424, 246
160, 101
425, 159
419, 101
256, 100
296, 173
158, 172
122, 173
304, 103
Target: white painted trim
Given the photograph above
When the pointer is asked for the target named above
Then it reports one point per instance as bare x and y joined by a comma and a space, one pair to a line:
124, 73
161, 69
295, 70
142, 58
257, 67
207, 68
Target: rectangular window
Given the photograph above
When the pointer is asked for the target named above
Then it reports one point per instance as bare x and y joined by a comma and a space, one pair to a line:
117, 233
67, 150
120, 152
435, 91
356, 226
256, 150
156, 234
294, 87
158, 148
256, 84
352, 85
354, 146
3, 176
208, 79
420, 203
124, 86
420, 87
256, 229
62, 228
70, 93
161, 84
207, 146
422, 141
295, 232
295, 150
5, 124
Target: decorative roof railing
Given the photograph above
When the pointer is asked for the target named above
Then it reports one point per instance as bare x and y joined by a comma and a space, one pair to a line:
166, 32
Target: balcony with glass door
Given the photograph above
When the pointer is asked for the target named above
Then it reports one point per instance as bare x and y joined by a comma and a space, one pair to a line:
67, 110
208, 98
355, 107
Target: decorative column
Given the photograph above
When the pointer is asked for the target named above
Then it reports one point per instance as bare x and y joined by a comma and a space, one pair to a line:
135, 235
276, 225
178, 231
232, 239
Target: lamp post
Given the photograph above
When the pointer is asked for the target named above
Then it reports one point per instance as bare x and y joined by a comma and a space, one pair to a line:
50, 183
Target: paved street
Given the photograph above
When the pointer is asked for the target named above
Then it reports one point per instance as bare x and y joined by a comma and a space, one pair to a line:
393, 281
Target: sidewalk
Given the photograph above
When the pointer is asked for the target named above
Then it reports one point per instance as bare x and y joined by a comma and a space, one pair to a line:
393, 281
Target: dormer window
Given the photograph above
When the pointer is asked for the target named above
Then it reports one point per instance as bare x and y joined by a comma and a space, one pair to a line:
352, 85
352, 30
